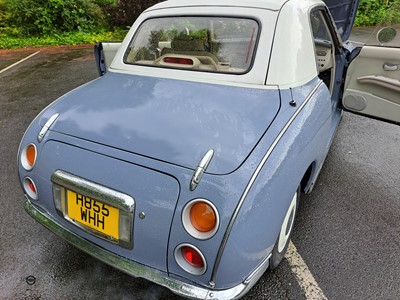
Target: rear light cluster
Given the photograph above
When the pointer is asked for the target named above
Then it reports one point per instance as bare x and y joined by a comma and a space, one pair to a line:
200, 219
190, 259
28, 157
28, 160
30, 188
192, 256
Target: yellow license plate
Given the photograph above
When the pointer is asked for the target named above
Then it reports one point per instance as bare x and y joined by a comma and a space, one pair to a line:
94, 214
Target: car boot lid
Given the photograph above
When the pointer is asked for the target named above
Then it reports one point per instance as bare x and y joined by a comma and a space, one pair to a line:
169, 120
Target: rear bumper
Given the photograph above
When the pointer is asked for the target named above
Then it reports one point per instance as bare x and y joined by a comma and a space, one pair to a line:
138, 270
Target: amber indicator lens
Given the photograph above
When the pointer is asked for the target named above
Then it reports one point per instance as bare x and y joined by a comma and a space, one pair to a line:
192, 257
31, 154
28, 157
203, 217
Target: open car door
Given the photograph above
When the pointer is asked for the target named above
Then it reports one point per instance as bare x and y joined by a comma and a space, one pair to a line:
372, 85
104, 54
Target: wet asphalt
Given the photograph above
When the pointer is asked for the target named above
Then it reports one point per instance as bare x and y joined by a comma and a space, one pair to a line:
347, 230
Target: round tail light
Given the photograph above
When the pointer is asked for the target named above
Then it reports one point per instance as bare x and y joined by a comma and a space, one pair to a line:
192, 256
200, 219
190, 259
28, 157
30, 188
202, 216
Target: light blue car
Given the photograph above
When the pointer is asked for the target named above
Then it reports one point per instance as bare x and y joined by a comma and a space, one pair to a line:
184, 162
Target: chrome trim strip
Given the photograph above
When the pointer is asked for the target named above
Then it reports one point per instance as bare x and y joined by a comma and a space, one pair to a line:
201, 168
252, 180
259, 270
94, 190
46, 127
135, 269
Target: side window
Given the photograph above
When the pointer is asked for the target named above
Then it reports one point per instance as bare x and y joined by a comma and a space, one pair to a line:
324, 48
319, 29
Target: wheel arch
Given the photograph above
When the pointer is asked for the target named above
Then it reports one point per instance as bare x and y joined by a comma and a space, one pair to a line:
307, 179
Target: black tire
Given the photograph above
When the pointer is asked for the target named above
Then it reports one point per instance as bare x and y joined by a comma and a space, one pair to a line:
282, 242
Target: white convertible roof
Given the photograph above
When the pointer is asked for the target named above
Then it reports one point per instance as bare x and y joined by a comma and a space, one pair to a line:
263, 4
285, 55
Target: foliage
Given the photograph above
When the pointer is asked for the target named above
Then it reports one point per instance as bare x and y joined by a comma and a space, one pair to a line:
192, 35
392, 16
124, 12
54, 22
71, 38
4, 15
373, 12
38, 17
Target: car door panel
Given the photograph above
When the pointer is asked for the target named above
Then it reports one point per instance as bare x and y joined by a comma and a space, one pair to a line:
372, 84
104, 53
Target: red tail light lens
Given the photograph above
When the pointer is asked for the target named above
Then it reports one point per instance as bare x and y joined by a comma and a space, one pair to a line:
190, 259
30, 188
192, 256
178, 60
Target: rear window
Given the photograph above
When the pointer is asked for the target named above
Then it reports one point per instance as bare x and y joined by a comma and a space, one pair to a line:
213, 44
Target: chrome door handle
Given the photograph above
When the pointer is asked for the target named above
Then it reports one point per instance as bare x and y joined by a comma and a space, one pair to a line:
391, 67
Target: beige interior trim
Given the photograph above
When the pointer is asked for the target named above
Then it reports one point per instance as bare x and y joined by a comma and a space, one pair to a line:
369, 88
370, 61
386, 82
372, 105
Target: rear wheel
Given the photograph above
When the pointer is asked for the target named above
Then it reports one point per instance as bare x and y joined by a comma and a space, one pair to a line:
285, 232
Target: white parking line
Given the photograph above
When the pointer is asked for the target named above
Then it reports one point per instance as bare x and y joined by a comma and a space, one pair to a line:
18, 62
303, 275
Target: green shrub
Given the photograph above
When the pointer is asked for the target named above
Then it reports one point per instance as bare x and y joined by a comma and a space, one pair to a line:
38, 17
392, 16
4, 15
124, 12
373, 12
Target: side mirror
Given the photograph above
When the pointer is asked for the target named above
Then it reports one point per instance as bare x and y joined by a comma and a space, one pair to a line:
386, 35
